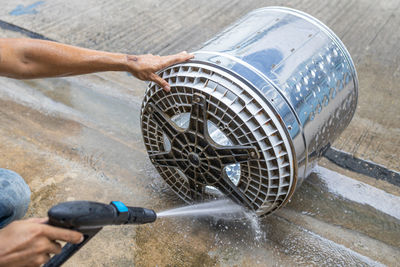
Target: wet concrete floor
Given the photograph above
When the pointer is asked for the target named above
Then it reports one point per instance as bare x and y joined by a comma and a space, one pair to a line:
79, 138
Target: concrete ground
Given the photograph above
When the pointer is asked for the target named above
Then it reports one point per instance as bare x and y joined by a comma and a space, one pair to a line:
78, 138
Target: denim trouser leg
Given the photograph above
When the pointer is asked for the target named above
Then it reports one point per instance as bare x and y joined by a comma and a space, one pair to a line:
14, 197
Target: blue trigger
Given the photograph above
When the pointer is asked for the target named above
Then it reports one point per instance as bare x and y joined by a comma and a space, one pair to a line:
120, 206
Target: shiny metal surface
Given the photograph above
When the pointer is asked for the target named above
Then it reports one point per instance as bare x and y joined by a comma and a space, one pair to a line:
278, 68
302, 61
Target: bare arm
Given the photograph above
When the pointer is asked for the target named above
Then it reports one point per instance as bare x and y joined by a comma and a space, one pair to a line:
30, 58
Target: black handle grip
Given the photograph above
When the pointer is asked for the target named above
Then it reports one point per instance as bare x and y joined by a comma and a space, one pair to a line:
70, 249
84, 216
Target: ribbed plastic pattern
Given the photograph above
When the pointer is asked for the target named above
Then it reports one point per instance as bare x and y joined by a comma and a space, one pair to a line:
193, 165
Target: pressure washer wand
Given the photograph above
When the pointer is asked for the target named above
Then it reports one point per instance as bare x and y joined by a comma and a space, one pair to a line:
89, 218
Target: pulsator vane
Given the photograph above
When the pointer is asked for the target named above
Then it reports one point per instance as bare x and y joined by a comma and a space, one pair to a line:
249, 116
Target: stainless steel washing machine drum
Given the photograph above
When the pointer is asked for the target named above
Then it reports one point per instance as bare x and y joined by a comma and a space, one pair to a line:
252, 112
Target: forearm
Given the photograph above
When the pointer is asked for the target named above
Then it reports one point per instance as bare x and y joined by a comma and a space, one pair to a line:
29, 58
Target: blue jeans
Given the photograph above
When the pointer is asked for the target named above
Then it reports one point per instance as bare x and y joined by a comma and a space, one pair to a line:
14, 197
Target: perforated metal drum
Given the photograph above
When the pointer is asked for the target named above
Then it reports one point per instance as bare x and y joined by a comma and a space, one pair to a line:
252, 112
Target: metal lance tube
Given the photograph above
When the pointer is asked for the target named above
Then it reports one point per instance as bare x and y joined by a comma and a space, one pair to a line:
253, 111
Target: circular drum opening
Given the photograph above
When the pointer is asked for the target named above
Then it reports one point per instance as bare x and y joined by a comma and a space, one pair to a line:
210, 136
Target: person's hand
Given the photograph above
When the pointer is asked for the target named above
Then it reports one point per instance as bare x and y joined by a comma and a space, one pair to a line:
29, 242
144, 67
